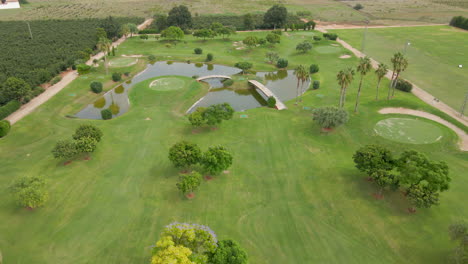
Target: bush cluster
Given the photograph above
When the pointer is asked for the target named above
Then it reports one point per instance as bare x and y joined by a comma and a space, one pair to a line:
116, 76
9, 108
282, 63
459, 22
315, 85
4, 128
198, 51
228, 83
96, 87
271, 102
404, 86
314, 68
209, 57
330, 36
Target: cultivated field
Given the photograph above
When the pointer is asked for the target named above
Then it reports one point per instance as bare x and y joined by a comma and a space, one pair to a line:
378, 11
434, 55
291, 196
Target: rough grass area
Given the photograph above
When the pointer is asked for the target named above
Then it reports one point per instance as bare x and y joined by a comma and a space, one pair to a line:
408, 130
292, 195
434, 55
122, 62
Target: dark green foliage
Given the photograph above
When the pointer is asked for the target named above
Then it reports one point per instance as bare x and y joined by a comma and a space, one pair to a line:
249, 23
282, 63
30, 192
215, 114
244, 66
180, 16
317, 38
459, 233
196, 118
228, 252
330, 36
372, 158
228, 82
116, 76
209, 57
4, 128
404, 86
188, 183
83, 68
314, 68
159, 23
88, 131
315, 85
144, 36
216, 159
262, 41
85, 144
304, 46
14, 89
184, 154
277, 32
198, 51
250, 41
276, 16
238, 22
204, 33
56, 79
112, 27
460, 22
358, 7
329, 116
148, 31
422, 197
273, 38
50, 51
271, 102
96, 87
152, 58
9, 108
64, 149
106, 114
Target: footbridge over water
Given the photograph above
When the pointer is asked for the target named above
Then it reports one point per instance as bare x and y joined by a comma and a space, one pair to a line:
213, 76
268, 93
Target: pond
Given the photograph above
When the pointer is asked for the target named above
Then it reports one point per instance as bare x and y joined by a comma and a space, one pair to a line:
282, 83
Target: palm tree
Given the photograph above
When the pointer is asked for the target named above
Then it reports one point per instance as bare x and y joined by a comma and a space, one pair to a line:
402, 67
400, 63
344, 78
363, 68
104, 46
381, 72
302, 75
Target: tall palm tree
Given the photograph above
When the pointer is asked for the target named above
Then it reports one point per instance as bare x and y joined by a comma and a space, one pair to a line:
401, 68
381, 72
344, 78
302, 75
400, 63
104, 45
363, 68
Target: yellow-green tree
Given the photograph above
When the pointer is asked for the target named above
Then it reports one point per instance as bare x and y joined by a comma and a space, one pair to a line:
167, 252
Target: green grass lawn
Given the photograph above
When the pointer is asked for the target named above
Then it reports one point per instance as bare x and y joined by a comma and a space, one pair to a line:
292, 194
434, 56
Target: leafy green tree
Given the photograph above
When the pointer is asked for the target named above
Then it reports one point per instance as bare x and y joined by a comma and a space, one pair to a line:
4, 128
304, 46
383, 179
314, 68
244, 66
184, 154
172, 32
132, 28
188, 183
96, 87
15, 89
248, 22
363, 68
124, 30
271, 102
160, 22
196, 118
112, 27
380, 72
204, 33
422, 197
215, 114
100, 33
180, 16
272, 56
200, 239
273, 38
209, 57
459, 232
166, 252
329, 117
225, 31
282, 63
251, 41
88, 131
228, 252
371, 158
85, 145
344, 78
276, 16
64, 149
106, 114
216, 159
30, 192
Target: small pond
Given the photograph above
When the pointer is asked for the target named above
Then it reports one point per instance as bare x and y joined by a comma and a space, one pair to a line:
282, 83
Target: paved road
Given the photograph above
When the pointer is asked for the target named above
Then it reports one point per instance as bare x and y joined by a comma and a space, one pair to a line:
66, 80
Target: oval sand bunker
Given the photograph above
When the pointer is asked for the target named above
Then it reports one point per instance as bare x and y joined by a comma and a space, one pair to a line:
407, 130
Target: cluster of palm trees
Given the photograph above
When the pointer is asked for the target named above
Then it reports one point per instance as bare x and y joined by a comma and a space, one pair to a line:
346, 76
303, 76
104, 45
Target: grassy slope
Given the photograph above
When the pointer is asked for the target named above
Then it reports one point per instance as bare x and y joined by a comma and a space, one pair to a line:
434, 56
292, 195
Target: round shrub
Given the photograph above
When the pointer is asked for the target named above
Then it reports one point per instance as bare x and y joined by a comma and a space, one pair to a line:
271, 102
151, 58
317, 38
228, 82
314, 68
198, 51
282, 63
316, 85
106, 114
404, 86
4, 128
116, 76
96, 87
209, 57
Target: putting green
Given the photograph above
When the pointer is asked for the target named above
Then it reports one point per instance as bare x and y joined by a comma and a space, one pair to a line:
123, 62
167, 84
406, 130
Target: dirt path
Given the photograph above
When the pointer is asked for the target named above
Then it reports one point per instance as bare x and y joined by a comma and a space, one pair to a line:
66, 80
420, 93
463, 137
